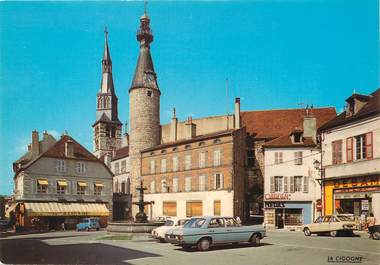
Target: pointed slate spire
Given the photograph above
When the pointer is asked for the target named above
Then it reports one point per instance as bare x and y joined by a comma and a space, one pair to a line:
107, 80
144, 77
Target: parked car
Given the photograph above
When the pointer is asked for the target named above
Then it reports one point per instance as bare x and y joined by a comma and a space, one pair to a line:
204, 232
159, 232
374, 232
333, 224
88, 224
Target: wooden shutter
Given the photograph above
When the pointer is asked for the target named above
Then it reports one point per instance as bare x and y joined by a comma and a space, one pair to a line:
306, 184
292, 184
369, 145
169, 208
217, 208
272, 184
349, 149
286, 184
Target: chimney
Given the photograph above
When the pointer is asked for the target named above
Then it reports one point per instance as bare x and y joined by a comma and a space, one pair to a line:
107, 160
173, 127
69, 148
310, 126
237, 113
191, 128
35, 146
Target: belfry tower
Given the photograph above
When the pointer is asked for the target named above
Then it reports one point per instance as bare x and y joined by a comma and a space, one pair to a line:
144, 103
107, 127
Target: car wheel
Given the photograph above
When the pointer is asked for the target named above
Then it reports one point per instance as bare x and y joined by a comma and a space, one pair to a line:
333, 233
97, 229
88, 229
376, 235
161, 240
255, 240
186, 247
204, 244
307, 232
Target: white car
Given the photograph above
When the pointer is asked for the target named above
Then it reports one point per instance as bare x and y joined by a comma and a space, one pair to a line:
159, 232
333, 224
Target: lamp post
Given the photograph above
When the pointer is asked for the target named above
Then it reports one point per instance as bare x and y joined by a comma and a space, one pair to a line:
318, 166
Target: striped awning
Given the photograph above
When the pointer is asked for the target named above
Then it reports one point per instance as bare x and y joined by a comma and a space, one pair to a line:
82, 184
65, 209
62, 183
42, 181
98, 184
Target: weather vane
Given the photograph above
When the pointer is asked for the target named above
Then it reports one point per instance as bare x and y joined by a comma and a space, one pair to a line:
106, 31
145, 5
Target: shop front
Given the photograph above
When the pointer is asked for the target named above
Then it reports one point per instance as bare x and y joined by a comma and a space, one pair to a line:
287, 214
351, 195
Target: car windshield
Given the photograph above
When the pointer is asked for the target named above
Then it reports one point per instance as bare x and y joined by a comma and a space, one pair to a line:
344, 218
195, 223
169, 223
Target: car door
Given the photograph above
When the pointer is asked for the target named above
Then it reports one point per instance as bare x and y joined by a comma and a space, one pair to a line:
217, 230
317, 225
235, 232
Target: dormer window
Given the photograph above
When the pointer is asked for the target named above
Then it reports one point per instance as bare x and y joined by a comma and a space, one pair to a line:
149, 93
297, 138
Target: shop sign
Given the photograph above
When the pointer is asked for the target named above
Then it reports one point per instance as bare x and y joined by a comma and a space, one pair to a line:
357, 182
274, 205
365, 205
368, 189
319, 205
277, 196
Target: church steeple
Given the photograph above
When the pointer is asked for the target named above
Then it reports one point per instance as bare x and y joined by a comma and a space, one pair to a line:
144, 73
107, 127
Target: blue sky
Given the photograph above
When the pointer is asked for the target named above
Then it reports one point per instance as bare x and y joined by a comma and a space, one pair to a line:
276, 54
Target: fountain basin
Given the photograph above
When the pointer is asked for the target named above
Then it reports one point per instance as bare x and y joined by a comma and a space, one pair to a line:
129, 227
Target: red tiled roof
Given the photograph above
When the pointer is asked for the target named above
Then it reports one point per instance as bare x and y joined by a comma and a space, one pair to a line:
121, 153
285, 141
371, 108
58, 150
275, 123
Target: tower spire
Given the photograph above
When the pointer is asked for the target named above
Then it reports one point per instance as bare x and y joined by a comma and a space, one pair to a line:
145, 77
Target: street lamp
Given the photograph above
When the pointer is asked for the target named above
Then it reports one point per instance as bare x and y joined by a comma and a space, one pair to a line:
318, 167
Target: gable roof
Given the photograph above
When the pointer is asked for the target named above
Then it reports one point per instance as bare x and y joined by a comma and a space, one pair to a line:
269, 124
121, 153
371, 108
58, 151
285, 141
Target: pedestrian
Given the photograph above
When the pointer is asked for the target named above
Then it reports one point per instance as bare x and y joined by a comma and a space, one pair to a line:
237, 218
371, 221
63, 226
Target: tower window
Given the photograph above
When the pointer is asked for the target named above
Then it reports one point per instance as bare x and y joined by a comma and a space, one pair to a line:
149, 93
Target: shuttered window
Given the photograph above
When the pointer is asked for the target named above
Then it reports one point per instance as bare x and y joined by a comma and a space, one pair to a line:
187, 162
218, 181
298, 183
217, 158
194, 208
169, 208
278, 158
217, 208
175, 163
152, 167
369, 145
163, 165
202, 159
349, 149
291, 180
278, 184
202, 183
286, 183
336, 152
272, 184
188, 184
305, 184
153, 187
298, 158
175, 184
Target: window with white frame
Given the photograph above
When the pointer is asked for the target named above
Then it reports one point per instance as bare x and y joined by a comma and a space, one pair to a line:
202, 183
152, 186
116, 168
202, 159
187, 162
164, 186
276, 183
360, 147
298, 183
163, 165
80, 168
217, 158
298, 158
175, 184
175, 163
123, 166
278, 158
152, 167
218, 181
188, 184
61, 166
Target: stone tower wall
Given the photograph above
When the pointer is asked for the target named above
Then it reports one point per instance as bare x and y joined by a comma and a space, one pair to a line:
144, 128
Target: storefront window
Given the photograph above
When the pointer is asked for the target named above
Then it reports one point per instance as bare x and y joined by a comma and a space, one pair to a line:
293, 217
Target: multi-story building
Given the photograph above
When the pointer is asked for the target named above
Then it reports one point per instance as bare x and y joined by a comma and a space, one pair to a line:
59, 182
291, 179
201, 175
351, 157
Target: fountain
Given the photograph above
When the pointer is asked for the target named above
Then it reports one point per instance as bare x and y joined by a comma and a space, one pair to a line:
141, 224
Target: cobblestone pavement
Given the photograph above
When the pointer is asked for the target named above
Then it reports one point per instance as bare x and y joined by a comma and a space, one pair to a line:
280, 247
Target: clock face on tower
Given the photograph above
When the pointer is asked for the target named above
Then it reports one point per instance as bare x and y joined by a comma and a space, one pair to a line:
150, 79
